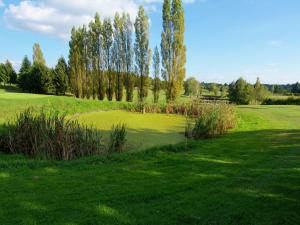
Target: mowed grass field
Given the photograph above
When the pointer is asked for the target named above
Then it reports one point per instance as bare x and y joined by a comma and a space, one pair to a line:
249, 176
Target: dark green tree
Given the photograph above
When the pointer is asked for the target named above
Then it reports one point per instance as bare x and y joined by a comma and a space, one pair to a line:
39, 79
7, 73
60, 77
24, 74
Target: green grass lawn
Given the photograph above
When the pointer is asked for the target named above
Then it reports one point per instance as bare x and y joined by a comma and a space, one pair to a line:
249, 176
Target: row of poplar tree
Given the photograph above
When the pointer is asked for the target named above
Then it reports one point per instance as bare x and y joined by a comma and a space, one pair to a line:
104, 61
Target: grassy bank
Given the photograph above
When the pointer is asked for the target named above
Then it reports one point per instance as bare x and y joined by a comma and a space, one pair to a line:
249, 176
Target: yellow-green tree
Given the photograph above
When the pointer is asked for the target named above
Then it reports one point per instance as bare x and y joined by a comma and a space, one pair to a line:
173, 49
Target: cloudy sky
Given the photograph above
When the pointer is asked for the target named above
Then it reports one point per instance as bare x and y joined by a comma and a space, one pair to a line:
225, 39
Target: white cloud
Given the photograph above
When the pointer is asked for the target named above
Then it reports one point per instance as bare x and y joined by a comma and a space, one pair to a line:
56, 17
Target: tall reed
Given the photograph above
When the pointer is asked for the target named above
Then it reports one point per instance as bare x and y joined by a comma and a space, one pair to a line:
50, 136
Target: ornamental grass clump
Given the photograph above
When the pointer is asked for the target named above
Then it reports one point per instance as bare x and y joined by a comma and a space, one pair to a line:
50, 136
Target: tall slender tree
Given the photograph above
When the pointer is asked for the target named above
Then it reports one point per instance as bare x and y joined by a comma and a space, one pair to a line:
142, 52
98, 58
107, 35
156, 71
38, 55
173, 48
75, 63
128, 48
166, 48
119, 55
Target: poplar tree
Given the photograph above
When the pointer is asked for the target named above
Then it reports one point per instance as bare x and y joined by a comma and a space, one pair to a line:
98, 60
84, 52
142, 52
107, 35
75, 63
166, 48
128, 48
173, 48
93, 57
38, 56
156, 70
118, 55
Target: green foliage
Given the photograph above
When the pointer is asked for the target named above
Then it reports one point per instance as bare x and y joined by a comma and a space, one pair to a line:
24, 74
60, 77
36, 78
192, 87
213, 121
117, 139
286, 101
142, 52
173, 48
260, 92
107, 35
39, 79
38, 56
243, 93
296, 88
240, 92
128, 48
7, 73
50, 136
119, 54
156, 81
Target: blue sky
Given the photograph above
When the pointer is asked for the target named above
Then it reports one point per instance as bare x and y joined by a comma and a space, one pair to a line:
225, 39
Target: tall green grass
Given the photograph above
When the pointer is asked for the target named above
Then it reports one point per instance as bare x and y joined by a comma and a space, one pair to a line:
214, 120
117, 139
49, 136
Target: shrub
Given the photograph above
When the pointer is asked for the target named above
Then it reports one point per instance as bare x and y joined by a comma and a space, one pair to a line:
241, 92
213, 121
50, 136
117, 138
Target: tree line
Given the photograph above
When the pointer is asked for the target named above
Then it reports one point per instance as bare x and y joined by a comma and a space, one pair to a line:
111, 58
104, 60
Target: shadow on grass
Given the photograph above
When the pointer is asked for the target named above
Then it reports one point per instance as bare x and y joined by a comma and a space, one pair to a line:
11, 88
240, 178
